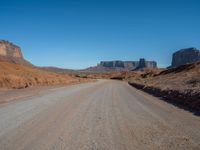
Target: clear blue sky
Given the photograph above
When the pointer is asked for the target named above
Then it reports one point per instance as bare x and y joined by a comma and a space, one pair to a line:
80, 33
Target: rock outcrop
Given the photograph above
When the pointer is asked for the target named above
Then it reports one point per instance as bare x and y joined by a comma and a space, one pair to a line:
184, 56
109, 64
11, 53
10, 50
146, 64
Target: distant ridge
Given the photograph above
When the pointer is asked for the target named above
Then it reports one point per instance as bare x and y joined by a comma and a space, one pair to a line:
118, 65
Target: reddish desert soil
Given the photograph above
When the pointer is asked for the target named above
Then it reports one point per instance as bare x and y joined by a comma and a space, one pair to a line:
20, 76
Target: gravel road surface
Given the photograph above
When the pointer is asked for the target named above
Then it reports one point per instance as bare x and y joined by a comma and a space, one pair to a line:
103, 115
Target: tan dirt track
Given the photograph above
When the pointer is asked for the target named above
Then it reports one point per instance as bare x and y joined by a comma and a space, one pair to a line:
104, 115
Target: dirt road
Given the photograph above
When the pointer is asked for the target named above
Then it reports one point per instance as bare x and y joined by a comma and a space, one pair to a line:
104, 115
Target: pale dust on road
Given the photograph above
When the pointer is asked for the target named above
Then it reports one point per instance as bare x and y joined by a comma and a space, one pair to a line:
105, 115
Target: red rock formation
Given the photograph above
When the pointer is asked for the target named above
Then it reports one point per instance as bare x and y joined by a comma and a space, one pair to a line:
11, 53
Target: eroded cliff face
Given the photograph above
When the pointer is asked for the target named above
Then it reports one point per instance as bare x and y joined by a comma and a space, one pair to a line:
184, 56
11, 53
8, 49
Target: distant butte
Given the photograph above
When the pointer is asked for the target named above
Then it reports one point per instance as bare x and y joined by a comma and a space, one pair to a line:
185, 56
119, 65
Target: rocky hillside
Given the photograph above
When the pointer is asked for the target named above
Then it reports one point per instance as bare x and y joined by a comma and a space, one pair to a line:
185, 77
185, 56
11, 53
180, 85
